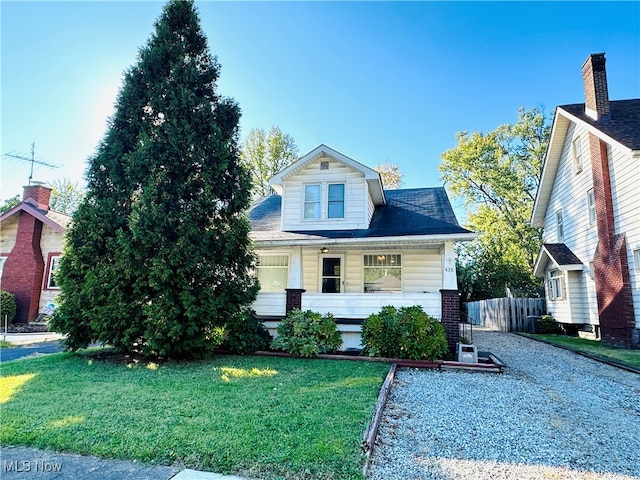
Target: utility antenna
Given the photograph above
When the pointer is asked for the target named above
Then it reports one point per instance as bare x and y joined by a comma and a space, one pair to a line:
32, 160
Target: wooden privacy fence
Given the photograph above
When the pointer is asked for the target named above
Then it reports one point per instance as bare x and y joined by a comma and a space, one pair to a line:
507, 314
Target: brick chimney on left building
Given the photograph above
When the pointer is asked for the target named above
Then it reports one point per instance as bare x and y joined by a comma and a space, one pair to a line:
24, 268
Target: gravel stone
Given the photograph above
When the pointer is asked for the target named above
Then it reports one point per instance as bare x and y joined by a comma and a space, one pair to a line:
552, 414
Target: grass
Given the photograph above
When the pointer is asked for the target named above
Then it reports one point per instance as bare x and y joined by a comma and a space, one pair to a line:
256, 416
593, 347
5, 344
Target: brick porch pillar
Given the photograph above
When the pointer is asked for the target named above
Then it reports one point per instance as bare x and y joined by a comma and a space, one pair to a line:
451, 317
294, 299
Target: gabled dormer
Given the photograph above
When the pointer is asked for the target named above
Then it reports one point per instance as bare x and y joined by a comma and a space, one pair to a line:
326, 190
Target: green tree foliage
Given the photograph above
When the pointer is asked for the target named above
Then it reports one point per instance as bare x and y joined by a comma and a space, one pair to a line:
391, 175
65, 195
265, 154
497, 176
7, 307
158, 256
9, 204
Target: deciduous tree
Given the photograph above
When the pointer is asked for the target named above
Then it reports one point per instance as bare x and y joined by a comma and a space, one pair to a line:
497, 175
265, 154
391, 175
65, 195
158, 258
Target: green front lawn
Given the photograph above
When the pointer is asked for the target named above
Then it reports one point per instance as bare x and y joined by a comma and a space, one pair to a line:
596, 348
261, 417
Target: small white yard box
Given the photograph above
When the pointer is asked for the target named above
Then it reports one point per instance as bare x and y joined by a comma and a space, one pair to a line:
467, 353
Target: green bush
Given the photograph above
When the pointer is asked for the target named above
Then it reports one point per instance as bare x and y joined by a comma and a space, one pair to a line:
307, 334
407, 332
7, 307
547, 324
245, 334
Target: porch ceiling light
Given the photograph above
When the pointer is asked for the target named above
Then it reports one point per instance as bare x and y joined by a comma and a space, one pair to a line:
324, 250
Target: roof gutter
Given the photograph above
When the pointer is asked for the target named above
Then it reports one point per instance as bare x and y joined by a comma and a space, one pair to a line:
353, 242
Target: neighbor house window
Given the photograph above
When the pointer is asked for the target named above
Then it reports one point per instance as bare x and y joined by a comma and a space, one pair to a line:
53, 264
312, 201
636, 261
577, 155
335, 204
2, 260
382, 273
556, 285
559, 225
273, 272
591, 204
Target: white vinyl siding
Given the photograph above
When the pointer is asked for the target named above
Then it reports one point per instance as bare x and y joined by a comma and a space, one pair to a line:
355, 208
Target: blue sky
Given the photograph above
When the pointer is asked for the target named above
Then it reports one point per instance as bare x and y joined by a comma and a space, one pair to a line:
377, 81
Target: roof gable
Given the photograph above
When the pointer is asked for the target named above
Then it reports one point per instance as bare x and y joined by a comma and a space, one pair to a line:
56, 220
560, 255
621, 129
374, 182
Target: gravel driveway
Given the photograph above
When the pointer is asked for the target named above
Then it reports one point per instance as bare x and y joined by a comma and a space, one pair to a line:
552, 414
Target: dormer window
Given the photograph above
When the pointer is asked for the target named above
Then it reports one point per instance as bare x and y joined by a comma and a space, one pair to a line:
335, 207
322, 201
312, 201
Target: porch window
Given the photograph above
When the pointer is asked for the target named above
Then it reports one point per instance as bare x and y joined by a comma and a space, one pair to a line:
53, 264
273, 272
382, 273
556, 285
591, 203
335, 207
312, 201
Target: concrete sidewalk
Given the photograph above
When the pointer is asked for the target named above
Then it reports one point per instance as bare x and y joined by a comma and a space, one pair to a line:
29, 338
17, 463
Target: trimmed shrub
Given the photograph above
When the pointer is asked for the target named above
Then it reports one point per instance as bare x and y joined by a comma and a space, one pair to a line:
407, 332
7, 307
547, 324
245, 334
307, 333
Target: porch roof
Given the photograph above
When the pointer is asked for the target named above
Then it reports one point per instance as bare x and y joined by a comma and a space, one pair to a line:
560, 255
408, 213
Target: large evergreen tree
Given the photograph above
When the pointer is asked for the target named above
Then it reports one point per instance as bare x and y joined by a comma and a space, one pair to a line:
158, 256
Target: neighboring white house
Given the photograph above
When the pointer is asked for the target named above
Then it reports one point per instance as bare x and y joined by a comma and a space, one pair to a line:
332, 240
588, 202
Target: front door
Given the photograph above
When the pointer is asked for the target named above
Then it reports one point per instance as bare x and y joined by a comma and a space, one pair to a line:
331, 274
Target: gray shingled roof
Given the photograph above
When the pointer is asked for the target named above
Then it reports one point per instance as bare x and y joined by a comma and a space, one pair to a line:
561, 254
416, 211
624, 124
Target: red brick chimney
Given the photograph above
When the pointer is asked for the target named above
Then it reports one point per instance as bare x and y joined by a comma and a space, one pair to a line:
23, 271
611, 269
596, 91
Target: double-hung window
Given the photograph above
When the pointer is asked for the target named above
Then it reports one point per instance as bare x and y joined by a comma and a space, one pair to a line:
382, 273
273, 272
312, 197
335, 202
556, 285
559, 225
591, 204
577, 155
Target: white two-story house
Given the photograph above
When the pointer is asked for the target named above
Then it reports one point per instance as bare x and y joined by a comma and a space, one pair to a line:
333, 240
588, 202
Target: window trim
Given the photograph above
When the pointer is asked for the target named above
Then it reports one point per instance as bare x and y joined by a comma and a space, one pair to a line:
382, 254
342, 284
636, 262
52, 259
